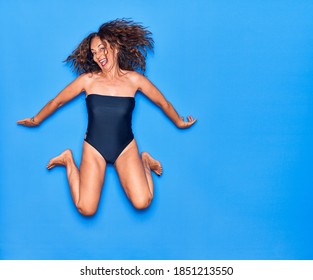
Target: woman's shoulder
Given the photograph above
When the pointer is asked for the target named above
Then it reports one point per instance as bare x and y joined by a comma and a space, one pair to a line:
134, 76
87, 78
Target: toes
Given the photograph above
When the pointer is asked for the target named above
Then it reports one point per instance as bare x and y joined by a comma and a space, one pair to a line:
159, 170
50, 165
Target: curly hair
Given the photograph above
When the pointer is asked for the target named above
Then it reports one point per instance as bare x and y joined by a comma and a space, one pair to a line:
131, 39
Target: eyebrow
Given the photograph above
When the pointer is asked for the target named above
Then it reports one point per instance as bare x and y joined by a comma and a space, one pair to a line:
98, 46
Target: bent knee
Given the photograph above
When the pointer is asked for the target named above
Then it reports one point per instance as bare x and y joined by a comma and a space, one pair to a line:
141, 203
86, 210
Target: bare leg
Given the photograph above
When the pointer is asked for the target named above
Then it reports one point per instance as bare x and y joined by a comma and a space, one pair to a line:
86, 183
135, 175
66, 159
149, 163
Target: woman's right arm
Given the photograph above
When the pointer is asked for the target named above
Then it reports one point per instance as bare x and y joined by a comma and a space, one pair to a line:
68, 93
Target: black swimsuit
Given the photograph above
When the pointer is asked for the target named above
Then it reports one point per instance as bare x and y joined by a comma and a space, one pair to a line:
109, 124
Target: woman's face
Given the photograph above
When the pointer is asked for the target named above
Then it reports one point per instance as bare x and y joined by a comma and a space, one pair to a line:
103, 54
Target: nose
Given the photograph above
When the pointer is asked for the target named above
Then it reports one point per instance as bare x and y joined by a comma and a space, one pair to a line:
98, 54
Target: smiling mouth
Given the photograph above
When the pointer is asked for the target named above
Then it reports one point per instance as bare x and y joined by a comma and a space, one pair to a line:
103, 61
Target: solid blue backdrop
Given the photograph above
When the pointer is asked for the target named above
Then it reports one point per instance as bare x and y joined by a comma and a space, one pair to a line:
237, 185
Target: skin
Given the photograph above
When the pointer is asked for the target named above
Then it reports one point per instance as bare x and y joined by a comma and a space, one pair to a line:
134, 170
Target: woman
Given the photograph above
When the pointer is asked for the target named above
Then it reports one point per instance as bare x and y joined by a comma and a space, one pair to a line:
107, 62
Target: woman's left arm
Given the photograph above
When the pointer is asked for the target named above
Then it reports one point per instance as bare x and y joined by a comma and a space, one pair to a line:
151, 91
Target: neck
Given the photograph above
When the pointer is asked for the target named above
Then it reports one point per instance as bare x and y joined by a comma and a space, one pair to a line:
113, 73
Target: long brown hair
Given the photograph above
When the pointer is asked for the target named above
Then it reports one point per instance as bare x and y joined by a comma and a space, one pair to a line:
131, 39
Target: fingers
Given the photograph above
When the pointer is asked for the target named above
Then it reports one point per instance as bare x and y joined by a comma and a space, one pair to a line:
22, 122
191, 120
188, 123
27, 122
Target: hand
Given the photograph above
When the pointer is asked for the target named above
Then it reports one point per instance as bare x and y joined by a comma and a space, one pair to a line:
28, 122
186, 124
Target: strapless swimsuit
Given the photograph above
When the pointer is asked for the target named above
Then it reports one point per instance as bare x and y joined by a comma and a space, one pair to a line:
109, 124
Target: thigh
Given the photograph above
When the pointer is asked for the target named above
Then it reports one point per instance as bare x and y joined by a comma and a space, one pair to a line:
132, 174
92, 172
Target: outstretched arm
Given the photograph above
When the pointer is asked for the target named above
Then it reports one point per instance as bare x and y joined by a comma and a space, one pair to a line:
68, 93
151, 91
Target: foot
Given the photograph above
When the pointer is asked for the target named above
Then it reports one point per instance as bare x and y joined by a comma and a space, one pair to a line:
60, 159
151, 163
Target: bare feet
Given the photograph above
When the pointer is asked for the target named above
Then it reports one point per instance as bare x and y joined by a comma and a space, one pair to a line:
151, 163
60, 159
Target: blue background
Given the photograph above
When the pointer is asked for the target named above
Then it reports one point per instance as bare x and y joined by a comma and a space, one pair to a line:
238, 185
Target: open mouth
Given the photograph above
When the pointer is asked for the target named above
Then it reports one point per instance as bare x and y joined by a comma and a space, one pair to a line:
103, 61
